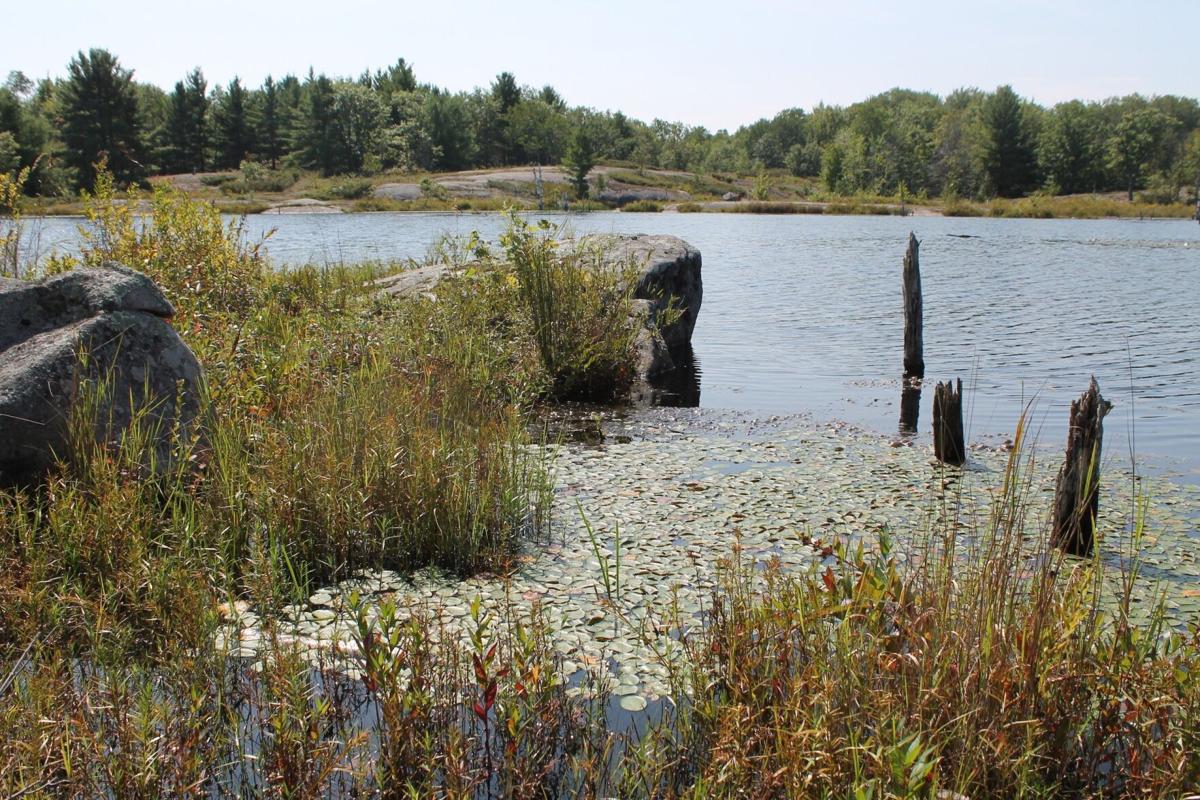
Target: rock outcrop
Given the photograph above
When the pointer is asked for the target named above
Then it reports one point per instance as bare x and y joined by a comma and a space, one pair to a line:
667, 301
417, 281
620, 194
118, 318
669, 285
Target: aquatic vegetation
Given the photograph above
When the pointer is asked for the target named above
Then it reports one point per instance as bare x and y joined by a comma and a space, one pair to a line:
357, 584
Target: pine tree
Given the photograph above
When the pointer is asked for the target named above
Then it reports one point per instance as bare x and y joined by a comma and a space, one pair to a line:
270, 145
187, 124
235, 139
579, 160
1008, 150
100, 120
315, 136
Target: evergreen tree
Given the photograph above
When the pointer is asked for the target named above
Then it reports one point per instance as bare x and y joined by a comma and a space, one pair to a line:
579, 160
187, 124
235, 132
269, 129
550, 96
1008, 154
505, 96
99, 107
397, 78
446, 119
315, 136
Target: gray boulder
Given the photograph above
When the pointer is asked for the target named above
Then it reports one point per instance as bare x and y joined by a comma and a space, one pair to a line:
668, 276
118, 318
416, 281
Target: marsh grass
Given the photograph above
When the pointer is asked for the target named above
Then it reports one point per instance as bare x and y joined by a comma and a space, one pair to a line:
581, 310
985, 665
1067, 207
346, 431
855, 207
643, 206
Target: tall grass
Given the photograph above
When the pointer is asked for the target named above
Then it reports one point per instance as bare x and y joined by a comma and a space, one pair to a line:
581, 307
983, 666
340, 431
1068, 207
12, 230
345, 431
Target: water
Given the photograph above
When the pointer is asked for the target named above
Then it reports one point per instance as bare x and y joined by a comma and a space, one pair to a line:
803, 313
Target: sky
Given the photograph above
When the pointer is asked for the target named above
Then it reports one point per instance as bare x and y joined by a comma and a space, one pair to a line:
717, 64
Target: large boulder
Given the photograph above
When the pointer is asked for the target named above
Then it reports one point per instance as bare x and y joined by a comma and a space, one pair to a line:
668, 274
669, 285
666, 299
117, 317
416, 281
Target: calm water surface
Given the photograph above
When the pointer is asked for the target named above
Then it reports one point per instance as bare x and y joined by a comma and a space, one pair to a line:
803, 313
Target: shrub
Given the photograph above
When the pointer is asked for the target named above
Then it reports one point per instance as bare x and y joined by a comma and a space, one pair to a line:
433, 190
219, 179
203, 265
349, 189
643, 205
257, 178
12, 186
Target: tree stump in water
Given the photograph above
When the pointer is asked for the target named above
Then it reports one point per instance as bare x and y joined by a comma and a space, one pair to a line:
1077, 494
948, 443
914, 359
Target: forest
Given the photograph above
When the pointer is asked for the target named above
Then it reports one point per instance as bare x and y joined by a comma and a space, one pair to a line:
970, 144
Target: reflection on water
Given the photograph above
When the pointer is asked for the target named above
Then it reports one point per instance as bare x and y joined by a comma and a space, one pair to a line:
803, 313
910, 404
679, 388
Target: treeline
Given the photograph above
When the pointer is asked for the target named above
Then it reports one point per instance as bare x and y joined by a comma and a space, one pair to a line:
971, 144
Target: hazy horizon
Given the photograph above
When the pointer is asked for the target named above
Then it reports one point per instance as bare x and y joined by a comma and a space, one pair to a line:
701, 63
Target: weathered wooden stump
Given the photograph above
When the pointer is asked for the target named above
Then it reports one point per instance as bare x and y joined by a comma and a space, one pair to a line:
914, 359
948, 443
1077, 494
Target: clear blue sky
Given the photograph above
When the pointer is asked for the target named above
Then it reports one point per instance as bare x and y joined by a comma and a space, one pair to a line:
718, 64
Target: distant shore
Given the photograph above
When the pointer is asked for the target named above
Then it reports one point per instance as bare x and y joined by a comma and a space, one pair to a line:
613, 187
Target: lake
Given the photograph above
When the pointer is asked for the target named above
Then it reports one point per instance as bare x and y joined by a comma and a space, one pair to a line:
803, 313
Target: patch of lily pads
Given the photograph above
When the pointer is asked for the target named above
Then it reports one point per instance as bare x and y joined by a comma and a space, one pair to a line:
643, 521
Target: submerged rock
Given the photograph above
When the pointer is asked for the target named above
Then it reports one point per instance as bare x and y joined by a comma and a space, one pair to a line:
117, 317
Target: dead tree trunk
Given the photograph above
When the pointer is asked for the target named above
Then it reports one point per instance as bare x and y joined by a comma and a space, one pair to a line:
948, 443
1077, 495
914, 359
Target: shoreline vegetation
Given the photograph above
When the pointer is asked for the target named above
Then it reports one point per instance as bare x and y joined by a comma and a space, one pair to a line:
148, 616
514, 188
384, 140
